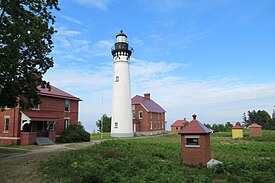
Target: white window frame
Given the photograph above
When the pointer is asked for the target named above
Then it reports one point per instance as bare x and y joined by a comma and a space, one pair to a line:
6, 118
69, 105
151, 125
67, 122
140, 115
194, 137
36, 107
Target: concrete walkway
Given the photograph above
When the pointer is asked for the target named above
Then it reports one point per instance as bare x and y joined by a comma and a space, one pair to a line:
47, 150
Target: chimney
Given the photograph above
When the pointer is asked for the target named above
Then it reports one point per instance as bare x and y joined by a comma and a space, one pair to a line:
147, 95
194, 116
184, 119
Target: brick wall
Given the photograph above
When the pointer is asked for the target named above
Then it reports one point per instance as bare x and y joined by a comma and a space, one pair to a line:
174, 129
196, 155
28, 138
57, 107
254, 132
143, 125
52, 135
12, 135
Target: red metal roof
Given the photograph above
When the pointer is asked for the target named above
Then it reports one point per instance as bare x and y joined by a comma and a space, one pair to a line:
194, 127
57, 93
179, 123
237, 126
254, 125
40, 115
148, 104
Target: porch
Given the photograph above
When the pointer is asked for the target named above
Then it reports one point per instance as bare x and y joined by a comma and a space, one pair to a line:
37, 127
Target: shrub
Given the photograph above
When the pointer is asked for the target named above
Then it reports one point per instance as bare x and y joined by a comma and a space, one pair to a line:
75, 133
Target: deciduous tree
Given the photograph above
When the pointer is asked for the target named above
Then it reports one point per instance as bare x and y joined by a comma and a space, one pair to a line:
262, 118
106, 123
26, 29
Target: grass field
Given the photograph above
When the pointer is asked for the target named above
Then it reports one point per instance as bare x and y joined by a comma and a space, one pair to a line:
153, 159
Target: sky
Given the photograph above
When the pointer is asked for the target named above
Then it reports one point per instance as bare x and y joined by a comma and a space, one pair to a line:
213, 58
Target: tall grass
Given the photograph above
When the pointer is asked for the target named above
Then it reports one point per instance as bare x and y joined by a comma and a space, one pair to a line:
158, 159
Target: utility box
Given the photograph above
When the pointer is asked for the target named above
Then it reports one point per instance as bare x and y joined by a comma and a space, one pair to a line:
237, 131
195, 141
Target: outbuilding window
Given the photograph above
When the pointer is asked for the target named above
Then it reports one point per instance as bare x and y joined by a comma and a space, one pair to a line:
192, 141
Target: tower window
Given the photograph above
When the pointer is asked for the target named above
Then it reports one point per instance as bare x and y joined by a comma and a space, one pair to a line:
117, 78
116, 124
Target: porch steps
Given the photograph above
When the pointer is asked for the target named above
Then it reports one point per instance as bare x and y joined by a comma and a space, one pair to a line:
43, 141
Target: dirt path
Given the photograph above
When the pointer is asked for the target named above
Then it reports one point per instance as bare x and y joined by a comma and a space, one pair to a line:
46, 150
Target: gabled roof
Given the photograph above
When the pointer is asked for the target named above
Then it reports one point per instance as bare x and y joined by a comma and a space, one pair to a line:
57, 93
179, 123
254, 125
148, 104
194, 127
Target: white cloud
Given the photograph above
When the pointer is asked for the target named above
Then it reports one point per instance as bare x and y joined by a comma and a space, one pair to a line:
63, 31
100, 4
71, 19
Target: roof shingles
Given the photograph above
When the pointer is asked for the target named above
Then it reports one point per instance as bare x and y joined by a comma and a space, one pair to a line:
148, 104
195, 127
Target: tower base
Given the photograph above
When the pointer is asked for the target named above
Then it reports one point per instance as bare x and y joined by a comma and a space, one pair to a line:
122, 135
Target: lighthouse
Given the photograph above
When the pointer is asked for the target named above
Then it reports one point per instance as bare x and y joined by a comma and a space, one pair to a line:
121, 125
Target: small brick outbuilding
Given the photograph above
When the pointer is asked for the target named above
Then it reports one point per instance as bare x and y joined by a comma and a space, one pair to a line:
195, 141
255, 130
237, 131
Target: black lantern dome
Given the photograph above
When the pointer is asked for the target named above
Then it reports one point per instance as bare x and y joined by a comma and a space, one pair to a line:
121, 46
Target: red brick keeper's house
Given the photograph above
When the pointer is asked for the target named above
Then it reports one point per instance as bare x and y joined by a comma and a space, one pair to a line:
55, 113
148, 116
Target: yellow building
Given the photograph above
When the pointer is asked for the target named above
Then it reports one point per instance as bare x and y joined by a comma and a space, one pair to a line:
237, 131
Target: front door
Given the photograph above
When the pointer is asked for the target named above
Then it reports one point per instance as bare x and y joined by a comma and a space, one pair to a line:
40, 127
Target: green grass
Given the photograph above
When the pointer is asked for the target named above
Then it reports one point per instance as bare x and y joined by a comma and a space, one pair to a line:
98, 136
158, 159
15, 148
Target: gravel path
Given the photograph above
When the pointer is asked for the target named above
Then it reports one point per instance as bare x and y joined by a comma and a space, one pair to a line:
46, 150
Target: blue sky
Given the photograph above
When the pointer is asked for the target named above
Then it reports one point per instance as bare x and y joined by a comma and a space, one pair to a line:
212, 58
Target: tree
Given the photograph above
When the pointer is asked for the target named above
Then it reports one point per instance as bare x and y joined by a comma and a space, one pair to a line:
26, 29
262, 118
106, 123
228, 126
75, 133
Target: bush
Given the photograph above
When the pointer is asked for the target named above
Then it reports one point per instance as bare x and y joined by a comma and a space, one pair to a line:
75, 133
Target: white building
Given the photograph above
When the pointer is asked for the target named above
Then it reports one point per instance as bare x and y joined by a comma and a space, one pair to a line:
122, 125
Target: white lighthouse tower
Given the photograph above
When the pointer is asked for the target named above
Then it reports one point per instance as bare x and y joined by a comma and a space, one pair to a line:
122, 124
